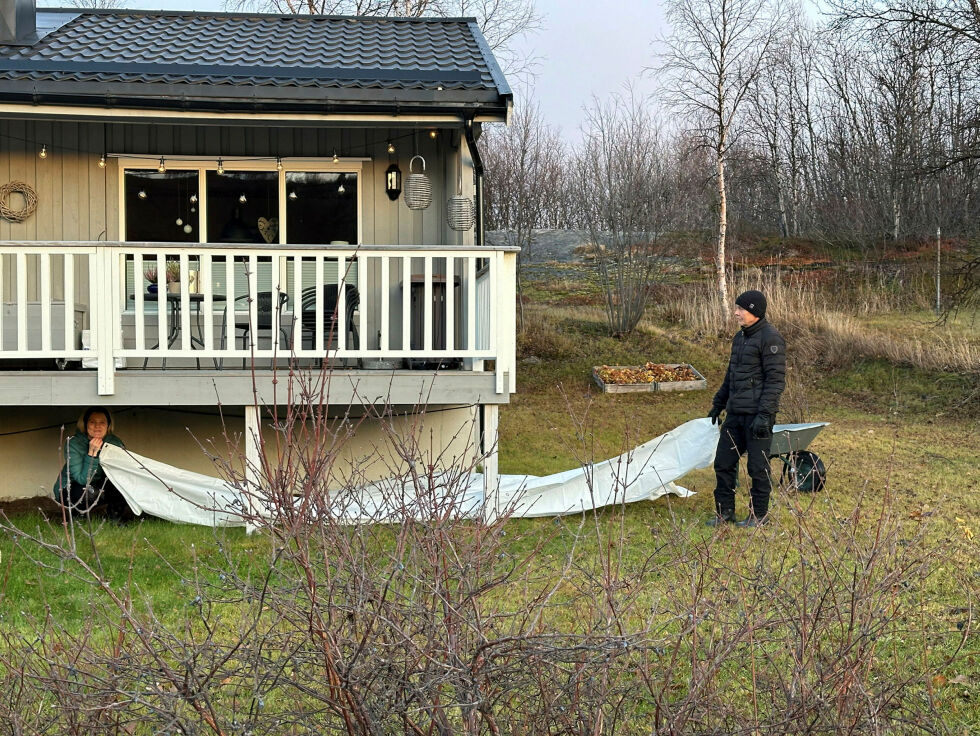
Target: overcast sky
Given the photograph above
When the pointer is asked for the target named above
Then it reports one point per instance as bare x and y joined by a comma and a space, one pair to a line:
585, 48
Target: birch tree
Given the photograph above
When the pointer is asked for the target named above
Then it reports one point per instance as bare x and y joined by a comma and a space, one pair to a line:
712, 56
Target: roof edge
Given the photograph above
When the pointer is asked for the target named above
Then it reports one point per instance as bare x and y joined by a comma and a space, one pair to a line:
230, 14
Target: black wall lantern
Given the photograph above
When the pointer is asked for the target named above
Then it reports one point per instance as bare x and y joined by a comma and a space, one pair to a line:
393, 182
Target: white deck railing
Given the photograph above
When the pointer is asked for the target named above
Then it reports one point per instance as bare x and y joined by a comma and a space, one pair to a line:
242, 302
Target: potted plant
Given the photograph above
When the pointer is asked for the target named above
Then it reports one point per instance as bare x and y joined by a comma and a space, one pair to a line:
173, 277
150, 275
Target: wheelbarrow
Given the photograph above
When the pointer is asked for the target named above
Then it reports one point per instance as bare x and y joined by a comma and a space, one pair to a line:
801, 467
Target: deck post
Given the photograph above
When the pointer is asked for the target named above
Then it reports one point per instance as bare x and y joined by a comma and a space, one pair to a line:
491, 477
253, 449
102, 303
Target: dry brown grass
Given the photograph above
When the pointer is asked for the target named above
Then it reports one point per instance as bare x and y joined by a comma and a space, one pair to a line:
828, 321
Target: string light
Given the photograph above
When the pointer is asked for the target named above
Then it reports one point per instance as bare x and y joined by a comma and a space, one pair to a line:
102, 161
193, 199
242, 199
391, 148
44, 151
433, 134
278, 163
221, 166
336, 159
162, 166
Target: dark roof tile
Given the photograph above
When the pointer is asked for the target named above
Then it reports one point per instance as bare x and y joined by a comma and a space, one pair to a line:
209, 51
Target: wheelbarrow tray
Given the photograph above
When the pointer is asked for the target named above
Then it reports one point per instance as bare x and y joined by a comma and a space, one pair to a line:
787, 438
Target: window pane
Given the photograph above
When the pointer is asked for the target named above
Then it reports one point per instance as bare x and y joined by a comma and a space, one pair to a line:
243, 207
161, 207
321, 207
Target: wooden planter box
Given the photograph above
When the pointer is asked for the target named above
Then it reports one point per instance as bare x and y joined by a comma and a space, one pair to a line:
623, 388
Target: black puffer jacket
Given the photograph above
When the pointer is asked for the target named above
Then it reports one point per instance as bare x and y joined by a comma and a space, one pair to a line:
756, 372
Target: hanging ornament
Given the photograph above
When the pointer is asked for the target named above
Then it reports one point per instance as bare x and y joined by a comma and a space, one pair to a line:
460, 210
193, 199
418, 190
187, 228
141, 194
242, 199
180, 221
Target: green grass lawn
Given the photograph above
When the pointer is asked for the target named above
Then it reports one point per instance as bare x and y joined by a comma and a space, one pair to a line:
900, 440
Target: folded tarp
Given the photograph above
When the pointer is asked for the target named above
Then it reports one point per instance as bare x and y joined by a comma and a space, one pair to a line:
643, 473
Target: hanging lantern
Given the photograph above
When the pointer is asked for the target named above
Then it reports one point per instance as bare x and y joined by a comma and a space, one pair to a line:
460, 212
393, 182
418, 190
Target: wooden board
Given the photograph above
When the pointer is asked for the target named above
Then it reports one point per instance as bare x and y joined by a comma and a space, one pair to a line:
623, 388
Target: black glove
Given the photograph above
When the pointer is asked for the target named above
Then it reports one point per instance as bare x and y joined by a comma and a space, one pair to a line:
761, 426
715, 415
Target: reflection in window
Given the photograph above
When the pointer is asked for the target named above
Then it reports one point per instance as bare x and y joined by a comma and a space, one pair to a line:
161, 207
243, 207
321, 207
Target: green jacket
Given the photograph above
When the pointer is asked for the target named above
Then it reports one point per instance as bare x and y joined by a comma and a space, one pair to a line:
79, 466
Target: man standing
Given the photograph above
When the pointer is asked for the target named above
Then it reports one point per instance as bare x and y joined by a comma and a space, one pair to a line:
750, 394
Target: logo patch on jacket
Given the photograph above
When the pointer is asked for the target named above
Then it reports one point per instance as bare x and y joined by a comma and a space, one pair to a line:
773, 349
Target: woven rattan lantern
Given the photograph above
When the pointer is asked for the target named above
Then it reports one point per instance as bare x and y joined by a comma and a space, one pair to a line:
418, 190
460, 212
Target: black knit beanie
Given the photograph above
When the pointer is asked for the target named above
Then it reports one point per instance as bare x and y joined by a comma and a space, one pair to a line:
753, 302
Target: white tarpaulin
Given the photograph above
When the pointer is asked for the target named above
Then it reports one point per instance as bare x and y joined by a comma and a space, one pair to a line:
643, 473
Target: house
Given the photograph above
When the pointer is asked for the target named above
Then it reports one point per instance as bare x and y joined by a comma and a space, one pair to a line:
241, 172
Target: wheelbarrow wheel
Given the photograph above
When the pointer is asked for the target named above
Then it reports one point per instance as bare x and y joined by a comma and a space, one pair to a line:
804, 471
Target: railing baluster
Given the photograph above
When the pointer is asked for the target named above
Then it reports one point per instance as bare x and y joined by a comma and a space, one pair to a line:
426, 313
185, 303
162, 311
318, 309
471, 302
139, 312
21, 302
450, 303
253, 302
406, 303
205, 285
340, 322
44, 265
385, 317
297, 327
68, 290
362, 310
228, 329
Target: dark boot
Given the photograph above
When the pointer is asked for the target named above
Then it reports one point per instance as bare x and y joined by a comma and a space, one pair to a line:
751, 521
722, 517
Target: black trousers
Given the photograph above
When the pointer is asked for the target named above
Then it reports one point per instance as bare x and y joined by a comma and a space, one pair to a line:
737, 440
102, 496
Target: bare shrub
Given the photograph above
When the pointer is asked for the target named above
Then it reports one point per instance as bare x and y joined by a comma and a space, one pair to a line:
395, 612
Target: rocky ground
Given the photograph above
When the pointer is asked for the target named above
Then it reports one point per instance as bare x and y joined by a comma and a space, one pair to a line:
548, 245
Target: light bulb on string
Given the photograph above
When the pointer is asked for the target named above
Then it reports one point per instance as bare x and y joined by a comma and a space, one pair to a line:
193, 199
162, 166
221, 166
278, 163
44, 151
336, 158
391, 148
102, 161
242, 199
433, 134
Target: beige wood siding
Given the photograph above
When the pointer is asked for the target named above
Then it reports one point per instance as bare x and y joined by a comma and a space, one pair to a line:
33, 458
79, 201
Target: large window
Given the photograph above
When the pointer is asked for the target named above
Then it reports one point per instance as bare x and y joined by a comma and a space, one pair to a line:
162, 207
191, 202
320, 207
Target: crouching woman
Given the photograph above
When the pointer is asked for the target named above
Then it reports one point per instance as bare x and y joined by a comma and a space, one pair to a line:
82, 484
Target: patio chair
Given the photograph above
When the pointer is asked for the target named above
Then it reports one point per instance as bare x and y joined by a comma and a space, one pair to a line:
330, 314
264, 318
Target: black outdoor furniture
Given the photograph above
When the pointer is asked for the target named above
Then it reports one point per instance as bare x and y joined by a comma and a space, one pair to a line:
265, 317
308, 319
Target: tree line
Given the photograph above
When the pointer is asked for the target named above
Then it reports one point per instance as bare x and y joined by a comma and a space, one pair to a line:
859, 128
